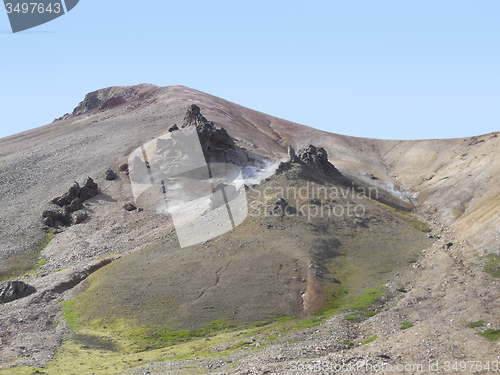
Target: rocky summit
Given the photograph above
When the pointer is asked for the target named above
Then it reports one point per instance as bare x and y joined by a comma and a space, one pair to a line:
305, 248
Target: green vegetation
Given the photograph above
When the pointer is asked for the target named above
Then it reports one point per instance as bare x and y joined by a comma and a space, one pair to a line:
406, 325
479, 323
414, 221
272, 337
493, 265
352, 317
308, 323
27, 263
348, 302
373, 338
348, 343
491, 334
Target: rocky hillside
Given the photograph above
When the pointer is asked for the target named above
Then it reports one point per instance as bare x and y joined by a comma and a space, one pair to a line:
334, 224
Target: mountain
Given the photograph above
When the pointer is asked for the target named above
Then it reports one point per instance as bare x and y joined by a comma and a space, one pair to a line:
379, 232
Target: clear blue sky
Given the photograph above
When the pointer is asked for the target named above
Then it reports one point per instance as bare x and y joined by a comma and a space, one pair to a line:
395, 69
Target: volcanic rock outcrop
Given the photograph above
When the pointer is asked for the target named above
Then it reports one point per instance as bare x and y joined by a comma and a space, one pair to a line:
12, 290
72, 205
309, 163
216, 144
113, 97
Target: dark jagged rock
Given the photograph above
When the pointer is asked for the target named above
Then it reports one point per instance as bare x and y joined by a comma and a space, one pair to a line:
193, 117
67, 198
309, 163
78, 217
89, 190
292, 157
216, 144
110, 175
71, 201
173, 128
12, 290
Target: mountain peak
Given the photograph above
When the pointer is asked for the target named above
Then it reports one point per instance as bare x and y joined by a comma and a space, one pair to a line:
114, 96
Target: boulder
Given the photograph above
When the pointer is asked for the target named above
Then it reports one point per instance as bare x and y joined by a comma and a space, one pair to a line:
89, 189
54, 215
66, 216
48, 222
12, 290
78, 217
129, 207
76, 204
110, 175
173, 128
281, 207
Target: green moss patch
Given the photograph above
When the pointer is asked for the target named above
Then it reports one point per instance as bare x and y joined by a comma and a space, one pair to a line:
27, 263
308, 323
491, 334
493, 265
371, 339
348, 302
406, 325
352, 317
479, 323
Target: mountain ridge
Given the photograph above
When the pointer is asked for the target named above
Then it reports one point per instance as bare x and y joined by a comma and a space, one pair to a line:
452, 183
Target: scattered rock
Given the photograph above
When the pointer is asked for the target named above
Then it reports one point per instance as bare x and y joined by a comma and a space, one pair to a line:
315, 202
89, 190
110, 175
281, 207
12, 290
129, 207
78, 217
123, 167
